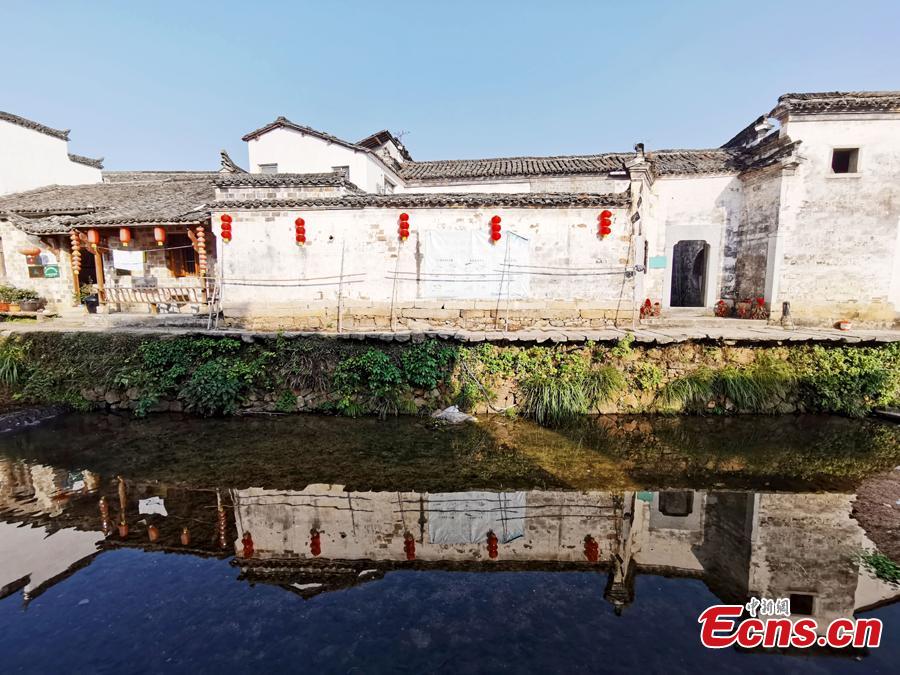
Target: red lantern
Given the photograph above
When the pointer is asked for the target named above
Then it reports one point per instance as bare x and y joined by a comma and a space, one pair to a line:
605, 219
226, 227
315, 542
404, 226
93, 237
591, 549
493, 551
30, 251
409, 546
300, 231
124, 236
159, 233
495, 229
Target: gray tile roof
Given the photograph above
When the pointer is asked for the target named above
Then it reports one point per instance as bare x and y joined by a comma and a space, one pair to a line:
62, 134
227, 164
440, 200
87, 161
331, 179
129, 202
284, 123
837, 102
379, 138
666, 162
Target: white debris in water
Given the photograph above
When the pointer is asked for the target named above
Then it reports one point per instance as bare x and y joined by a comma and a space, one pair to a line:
453, 415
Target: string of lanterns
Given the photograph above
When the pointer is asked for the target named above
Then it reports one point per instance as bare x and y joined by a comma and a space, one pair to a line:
495, 229
300, 231
404, 226
226, 227
605, 225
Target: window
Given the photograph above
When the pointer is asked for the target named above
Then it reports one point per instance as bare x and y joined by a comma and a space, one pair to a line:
268, 168
181, 258
844, 160
388, 187
802, 604
677, 504
342, 170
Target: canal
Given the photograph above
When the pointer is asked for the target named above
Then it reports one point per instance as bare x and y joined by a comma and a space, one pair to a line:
323, 544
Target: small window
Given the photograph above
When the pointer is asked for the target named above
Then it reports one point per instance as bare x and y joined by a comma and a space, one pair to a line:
181, 258
388, 187
676, 504
844, 160
342, 170
802, 604
268, 168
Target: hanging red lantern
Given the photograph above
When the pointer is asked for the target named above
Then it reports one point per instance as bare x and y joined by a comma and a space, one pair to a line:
159, 233
124, 236
404, 226
409, 546
247, 542
93, 237
300, 231
315, 542
30, 251
226, 227
495, 229
492, 545
605, 219
591, 549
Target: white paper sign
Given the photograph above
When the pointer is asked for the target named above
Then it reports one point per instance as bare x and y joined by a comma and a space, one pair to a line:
128, 261
153, 505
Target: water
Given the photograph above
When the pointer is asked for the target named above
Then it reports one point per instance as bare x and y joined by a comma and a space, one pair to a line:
370, 543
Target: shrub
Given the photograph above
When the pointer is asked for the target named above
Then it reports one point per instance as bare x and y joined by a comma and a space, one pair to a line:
427, 364
12, 362
368, 382
647, 376
881, 566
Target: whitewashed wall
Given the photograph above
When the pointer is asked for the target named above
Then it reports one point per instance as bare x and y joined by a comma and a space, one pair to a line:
58, 292
30, 159
838, 253
264, 255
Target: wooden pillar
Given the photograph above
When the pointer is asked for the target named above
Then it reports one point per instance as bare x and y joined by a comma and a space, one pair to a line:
76, 264
98, 266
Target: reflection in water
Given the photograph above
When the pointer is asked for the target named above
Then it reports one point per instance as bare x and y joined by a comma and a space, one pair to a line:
323, 538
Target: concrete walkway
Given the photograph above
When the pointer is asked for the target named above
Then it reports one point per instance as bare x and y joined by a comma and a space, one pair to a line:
728, 332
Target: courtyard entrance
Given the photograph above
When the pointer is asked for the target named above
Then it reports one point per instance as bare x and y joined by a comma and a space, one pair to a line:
689, 273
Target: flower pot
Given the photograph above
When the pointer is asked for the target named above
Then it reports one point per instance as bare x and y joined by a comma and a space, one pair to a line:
844, 325
14, 307
91, 302
123, 530
30, 305
4, 306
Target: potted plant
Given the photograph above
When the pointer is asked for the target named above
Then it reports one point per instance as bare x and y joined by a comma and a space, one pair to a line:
722, 309
29, 301
87, 296
7, 294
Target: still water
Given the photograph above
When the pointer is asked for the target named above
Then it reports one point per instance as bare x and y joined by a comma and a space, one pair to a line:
316, 544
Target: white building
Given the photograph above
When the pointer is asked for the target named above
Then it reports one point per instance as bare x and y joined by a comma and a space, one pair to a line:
800, 207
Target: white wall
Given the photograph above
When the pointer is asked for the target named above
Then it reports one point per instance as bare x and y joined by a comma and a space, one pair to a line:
30, 159
839, 248
296, 152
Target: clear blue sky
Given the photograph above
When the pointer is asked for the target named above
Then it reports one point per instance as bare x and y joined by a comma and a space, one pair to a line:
165, 85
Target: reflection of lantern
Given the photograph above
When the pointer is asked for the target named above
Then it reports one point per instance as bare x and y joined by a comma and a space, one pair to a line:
226, 227
409, 546
300, 231
159, 233
93, 237
492, 545
124, 236
247, 541
495, 229
30, 251
404, 226
605, 219
152, 533
185, 536
591, 549
123, 529
315, 542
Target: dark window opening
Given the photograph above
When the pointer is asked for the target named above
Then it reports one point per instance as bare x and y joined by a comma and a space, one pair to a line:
802, 603
845, 160
181, 258
677, 504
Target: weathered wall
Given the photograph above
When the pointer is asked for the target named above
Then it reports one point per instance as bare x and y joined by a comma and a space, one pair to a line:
839, 250
756, 228
56, 291
579, 280
31, 159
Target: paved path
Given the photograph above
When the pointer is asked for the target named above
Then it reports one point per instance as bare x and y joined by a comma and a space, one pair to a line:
656, 334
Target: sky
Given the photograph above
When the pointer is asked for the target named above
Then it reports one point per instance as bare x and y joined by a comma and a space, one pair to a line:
166, 85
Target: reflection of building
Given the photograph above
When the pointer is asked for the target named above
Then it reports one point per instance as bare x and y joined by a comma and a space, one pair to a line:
802, 546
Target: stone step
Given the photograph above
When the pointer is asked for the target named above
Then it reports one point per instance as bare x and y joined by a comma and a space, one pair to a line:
710, 321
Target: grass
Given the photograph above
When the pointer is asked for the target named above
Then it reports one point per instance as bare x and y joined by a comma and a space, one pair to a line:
882, 567
755, 389
556, 400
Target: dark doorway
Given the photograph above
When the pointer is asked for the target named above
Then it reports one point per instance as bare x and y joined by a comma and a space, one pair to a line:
689, 273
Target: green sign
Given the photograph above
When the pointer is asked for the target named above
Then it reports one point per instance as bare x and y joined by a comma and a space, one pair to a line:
51, 271
658, 262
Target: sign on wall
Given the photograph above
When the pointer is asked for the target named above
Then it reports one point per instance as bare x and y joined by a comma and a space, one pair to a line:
45, 265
